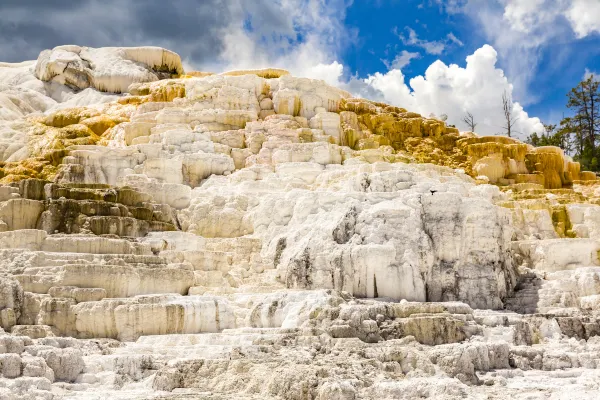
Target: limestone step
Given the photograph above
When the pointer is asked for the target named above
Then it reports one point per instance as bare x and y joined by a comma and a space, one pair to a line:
526, 295
39, 240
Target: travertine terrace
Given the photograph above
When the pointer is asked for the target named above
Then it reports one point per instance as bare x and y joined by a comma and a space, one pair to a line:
176, 234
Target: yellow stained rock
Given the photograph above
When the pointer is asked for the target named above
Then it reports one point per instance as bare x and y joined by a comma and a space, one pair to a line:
160, 91
101, 123
196, 74
69, 116
573, 171
433, 128
516, 151
267, 73
562, 223
51, 137
535, 179
588, 176
549, 161
359, 106
351, 132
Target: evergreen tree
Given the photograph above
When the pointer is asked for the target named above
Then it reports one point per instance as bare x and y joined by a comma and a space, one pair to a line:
552, 136
577, 135
584, 100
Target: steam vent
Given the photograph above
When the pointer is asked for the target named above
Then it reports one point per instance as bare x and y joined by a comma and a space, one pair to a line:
171, 234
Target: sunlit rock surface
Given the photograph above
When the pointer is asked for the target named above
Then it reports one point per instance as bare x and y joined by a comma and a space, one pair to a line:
253, 235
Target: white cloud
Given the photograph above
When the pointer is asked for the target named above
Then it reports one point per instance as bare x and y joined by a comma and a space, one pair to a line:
451, 37
584, 16
451, 6
392, 88
519, 29
454, 90
431, 47
401, 60
306, 41
309, 40
435, 47
589, 73
330, 73
525, 16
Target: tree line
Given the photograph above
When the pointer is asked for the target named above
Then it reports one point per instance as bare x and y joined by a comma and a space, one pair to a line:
578, 135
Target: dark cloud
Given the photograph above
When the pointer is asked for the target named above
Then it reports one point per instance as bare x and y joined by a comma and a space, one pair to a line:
40, 4
208, 34
193, 28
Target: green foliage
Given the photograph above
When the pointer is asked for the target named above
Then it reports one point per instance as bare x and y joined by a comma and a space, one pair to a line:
584, 101
552, 136
579, 134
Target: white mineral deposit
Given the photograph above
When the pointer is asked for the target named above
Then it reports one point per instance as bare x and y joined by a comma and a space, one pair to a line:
255, 235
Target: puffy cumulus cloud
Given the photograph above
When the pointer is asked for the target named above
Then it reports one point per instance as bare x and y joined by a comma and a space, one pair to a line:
391, 88
520, 29
525, 16
330, 73
303, 36
311, 37
454, 90
517, 36
584, 16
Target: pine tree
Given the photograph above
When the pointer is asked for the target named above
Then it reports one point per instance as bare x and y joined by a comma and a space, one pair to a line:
584, 100
552, 136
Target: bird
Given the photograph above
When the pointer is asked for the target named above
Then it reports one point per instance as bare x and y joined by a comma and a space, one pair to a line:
433, 191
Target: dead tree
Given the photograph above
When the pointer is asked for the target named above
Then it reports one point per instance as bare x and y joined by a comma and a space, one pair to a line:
509, 120
470, 121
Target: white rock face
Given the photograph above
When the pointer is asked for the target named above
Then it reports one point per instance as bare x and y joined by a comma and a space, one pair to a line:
108, 69
229, 244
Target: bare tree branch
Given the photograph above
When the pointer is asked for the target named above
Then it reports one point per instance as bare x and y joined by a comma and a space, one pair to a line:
470, 121
507, 105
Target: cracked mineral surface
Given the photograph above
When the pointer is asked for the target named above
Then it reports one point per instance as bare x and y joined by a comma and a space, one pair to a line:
251, 235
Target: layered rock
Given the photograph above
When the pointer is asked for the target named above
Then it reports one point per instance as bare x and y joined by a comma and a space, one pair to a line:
108, 69
256, 235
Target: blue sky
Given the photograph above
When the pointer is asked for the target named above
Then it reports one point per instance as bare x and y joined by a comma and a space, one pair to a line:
560, 63
429, 56
433, 56
380, 24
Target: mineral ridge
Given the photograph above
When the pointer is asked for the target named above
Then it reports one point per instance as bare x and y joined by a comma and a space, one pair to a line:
252, 235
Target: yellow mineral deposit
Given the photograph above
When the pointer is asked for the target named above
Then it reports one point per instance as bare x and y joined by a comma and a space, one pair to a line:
364, 125
50, 138
191, 233
196, 74
160, 91
267, 73
526, 173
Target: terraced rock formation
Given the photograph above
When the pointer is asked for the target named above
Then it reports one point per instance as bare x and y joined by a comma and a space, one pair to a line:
252, 235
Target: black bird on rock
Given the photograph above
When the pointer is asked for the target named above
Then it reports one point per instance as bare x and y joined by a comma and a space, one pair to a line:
433, 191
